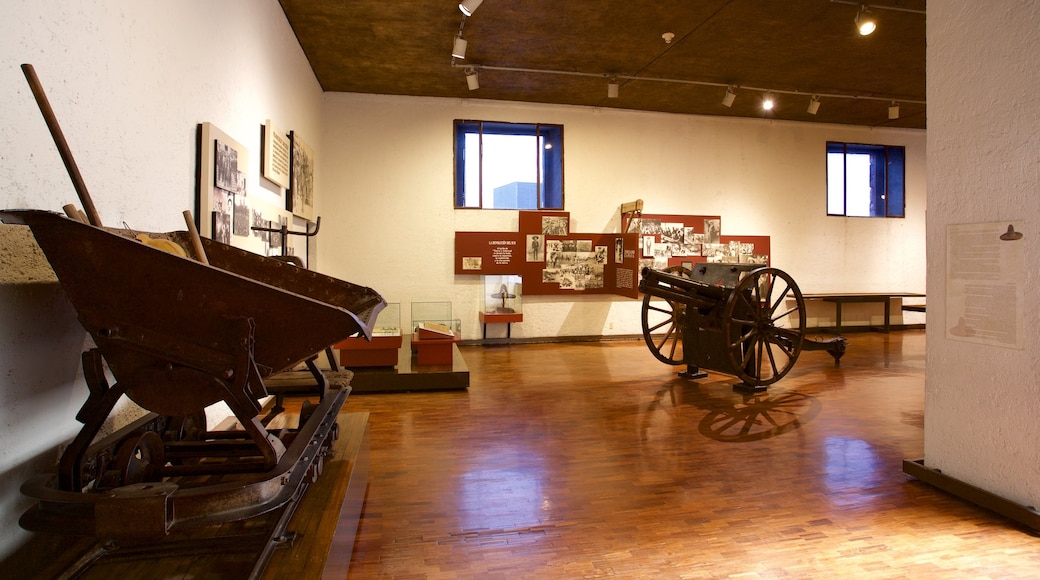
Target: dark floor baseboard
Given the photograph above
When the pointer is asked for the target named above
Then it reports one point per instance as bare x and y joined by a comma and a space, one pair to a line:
1025, 515
614, 337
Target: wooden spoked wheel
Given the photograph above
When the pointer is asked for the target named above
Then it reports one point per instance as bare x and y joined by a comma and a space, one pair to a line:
764, 326
663, 322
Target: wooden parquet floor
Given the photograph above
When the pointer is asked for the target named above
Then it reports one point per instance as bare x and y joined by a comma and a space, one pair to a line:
593, 460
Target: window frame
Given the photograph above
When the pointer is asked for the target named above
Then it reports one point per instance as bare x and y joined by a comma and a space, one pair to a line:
888, 190
549, 166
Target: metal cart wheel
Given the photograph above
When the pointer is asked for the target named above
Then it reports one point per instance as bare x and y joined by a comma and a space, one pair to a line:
669, 316
764, 326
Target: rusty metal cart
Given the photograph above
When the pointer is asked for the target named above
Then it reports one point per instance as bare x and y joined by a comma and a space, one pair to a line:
179, 335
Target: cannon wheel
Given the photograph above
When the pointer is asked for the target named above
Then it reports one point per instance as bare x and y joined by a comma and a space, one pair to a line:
668, 316
763, 332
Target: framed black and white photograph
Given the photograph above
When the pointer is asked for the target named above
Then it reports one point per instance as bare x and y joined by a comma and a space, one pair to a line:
535, 248
300, 200
240, 217
222, 210
554, 225
712, 231
227, 176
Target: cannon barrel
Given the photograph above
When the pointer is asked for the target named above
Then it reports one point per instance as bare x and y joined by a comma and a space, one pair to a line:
683, 290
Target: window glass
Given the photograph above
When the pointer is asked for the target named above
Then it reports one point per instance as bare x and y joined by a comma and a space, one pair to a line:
865, 180
508, 165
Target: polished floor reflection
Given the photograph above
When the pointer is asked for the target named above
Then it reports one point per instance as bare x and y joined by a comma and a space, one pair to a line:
588, 460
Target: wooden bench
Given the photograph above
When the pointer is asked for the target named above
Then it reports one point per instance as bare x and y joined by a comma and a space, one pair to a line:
840, 298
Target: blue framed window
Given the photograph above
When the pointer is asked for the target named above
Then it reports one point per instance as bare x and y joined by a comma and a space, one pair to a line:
866, 180
508, 165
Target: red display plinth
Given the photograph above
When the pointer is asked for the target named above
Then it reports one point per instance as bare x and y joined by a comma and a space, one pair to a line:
381, 351
433, 351
504, 318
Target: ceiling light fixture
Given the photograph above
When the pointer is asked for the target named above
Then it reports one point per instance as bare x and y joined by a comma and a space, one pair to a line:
471, 78
727, 100
893, 111
730, 96
768, 102
814, 105
468, 7
459, 48
865, 21
612, 89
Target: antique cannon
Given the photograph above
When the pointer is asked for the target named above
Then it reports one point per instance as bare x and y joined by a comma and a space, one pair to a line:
740, 319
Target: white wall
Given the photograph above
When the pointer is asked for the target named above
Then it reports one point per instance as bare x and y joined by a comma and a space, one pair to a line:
387, 200
128, 81
981, 402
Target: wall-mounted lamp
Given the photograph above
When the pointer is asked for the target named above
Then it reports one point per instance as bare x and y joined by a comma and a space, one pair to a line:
612, 89
729, 97
468, 7
459, 49
865, 21
768, 102
471, 78
893, 111
814, 105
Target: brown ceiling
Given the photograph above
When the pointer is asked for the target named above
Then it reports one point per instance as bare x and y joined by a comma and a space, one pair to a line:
788, 46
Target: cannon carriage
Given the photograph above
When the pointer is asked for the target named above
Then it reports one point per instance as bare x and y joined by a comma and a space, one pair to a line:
740, 319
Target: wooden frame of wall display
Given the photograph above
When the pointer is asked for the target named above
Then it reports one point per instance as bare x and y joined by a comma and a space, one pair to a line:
552, 259
221, 165
300, 197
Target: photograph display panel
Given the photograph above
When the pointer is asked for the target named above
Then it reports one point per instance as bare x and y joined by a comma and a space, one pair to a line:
221, 169
682, 240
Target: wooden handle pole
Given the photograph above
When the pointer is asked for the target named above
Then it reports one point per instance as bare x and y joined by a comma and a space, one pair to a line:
63, 146
196, 239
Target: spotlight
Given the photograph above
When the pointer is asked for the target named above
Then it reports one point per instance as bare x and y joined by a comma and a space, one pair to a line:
727, 100
893, 111
471, 79
768, 102
468, 7
814, 105
459, 49
612, 89
865, 21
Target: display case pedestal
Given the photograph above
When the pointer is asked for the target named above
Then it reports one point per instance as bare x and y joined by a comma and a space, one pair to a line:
381, 351
433, 351
487, 318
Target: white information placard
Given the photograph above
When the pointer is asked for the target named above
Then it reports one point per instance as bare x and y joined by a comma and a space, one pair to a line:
984, 283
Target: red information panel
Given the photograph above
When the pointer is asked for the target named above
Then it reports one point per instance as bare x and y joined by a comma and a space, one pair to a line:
554, 260
489, 253
549, 264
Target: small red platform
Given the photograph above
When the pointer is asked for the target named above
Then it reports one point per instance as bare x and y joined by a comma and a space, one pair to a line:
433, 351
381, 351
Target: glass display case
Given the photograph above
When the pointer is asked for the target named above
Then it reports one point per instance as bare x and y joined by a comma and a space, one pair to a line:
384, 348
434, 332
502, 302
502, 295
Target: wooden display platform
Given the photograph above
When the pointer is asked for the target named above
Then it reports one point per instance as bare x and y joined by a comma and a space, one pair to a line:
840, 298
318, 542
409, 375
